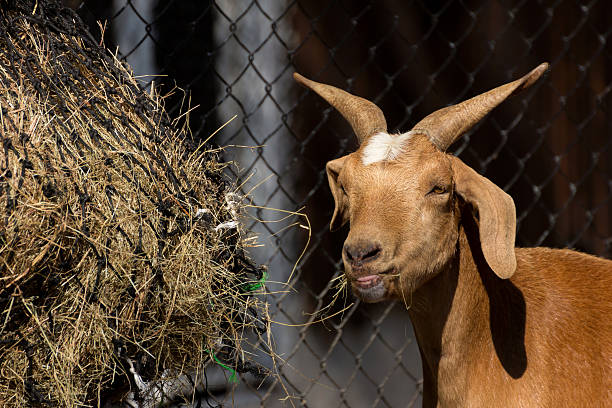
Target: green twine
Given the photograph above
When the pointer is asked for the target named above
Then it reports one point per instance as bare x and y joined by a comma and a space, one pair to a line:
249, 287
233, 378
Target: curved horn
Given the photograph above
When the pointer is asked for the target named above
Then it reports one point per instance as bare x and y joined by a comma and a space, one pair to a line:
364, 116
446, 125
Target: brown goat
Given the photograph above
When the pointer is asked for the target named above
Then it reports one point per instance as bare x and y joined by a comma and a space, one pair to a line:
496, 325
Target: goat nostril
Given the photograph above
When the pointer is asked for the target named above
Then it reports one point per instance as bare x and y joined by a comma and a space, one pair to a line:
348, 253
361, 253
371, 253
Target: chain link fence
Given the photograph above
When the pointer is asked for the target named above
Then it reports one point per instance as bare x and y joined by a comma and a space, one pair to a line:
548, 149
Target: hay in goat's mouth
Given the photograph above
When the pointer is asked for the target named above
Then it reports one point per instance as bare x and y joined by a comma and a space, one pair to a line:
120, 251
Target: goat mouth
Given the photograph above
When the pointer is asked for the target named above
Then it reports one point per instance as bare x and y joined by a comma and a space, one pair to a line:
367, 282
370, 288
370, 281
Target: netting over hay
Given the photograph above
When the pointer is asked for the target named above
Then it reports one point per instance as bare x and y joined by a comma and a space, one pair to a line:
121, 258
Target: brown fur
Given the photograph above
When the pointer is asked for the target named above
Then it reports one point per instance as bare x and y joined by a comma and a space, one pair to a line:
541, 338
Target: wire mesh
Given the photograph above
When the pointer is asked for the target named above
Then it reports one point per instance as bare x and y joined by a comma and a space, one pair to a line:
547, 149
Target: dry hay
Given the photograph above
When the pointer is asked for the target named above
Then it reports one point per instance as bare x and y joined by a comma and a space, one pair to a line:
119, 246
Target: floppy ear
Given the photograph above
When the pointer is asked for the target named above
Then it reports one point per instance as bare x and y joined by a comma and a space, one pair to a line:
340, 216
497, 217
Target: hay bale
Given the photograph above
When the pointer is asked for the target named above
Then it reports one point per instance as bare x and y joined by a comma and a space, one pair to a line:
121, 259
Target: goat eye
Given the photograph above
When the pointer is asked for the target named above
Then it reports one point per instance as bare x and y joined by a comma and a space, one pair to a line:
438, 190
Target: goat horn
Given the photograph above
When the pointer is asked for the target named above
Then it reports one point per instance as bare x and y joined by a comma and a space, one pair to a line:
364, 116
445, 126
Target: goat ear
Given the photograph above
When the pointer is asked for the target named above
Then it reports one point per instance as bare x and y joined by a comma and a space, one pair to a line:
340, 216
497, 217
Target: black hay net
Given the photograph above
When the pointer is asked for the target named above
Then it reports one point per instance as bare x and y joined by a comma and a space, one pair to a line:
122, 264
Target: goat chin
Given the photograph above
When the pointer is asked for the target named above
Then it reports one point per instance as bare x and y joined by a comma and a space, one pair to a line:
372, 294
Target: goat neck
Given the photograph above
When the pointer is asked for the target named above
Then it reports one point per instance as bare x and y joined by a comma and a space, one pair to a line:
453, 315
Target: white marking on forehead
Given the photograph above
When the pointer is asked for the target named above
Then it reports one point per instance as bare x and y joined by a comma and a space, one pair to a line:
382, 146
